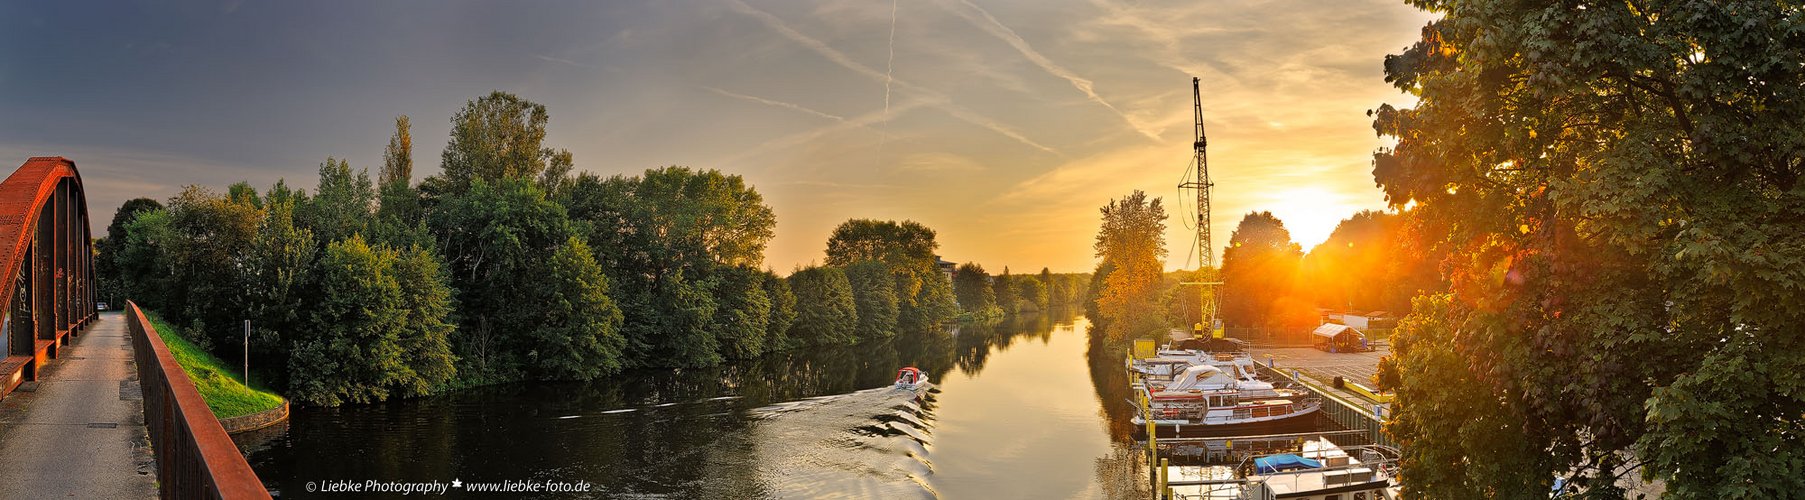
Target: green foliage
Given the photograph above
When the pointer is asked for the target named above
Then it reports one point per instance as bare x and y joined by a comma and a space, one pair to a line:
426, 330
342, 204
1030, 293
198, 259
783, 313
579, 338
1003, 287
859, 240
743, 312
275, 278
671, 241
874, 297
398, 156
924, 295
826, 313
496, 138
495, 239
354, 347
972, 286
1131, 243
1613, 194
109, 274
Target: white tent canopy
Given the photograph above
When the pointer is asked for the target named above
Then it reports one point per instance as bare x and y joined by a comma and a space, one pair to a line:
1333, 330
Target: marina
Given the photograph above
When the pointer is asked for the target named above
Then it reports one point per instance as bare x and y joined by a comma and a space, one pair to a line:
1337, 447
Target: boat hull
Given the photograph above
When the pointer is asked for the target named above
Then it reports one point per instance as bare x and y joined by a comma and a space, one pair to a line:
1300, 422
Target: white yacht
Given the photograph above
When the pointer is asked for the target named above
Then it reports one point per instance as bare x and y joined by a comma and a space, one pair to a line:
1324, 471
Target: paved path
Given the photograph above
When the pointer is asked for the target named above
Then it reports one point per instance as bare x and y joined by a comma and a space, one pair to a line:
1321, 367
80, 434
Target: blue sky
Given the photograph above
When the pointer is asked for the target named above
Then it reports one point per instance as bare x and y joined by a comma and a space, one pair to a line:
1004, 125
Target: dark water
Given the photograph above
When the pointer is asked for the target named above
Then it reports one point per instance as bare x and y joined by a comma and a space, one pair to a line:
1019, 411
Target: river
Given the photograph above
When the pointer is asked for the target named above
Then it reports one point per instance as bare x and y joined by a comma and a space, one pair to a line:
1018, 411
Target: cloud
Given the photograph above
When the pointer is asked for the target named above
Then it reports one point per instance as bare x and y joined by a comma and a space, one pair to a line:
775, 103
981, 18
563, 61
932, 98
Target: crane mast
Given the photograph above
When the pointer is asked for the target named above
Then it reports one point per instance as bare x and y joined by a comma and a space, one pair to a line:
1209, 295
1206, 251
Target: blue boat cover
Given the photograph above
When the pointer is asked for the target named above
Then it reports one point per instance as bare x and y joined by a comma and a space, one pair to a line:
1282, 463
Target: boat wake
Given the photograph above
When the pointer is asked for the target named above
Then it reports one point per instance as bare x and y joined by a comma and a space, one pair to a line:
867, 444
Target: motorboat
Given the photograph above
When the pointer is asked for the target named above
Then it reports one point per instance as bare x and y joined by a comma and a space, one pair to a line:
1206, 395
911, 378
1322, 471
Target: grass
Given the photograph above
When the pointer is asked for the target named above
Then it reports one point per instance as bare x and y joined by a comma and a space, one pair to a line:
222, 387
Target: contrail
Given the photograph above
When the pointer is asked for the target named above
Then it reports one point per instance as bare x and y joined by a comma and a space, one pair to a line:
890, 64
865, 120
932, 98
889, 70
771, 102
996, 28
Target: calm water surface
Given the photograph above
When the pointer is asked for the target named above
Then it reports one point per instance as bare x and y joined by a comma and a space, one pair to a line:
1018, 412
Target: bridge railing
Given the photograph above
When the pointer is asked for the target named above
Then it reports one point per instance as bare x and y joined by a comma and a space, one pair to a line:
195, 456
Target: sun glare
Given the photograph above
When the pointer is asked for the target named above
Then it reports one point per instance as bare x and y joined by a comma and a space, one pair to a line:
1310, 213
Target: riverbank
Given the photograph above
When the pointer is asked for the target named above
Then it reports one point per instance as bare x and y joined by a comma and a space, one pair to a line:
222, 387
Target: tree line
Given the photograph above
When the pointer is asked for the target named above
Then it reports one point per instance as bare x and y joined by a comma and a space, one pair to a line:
505, 266
1372, 261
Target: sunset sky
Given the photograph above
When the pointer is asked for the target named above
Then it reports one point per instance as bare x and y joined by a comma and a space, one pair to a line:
1003, 125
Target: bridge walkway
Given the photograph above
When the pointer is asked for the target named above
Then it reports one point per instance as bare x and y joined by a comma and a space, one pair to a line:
80, 432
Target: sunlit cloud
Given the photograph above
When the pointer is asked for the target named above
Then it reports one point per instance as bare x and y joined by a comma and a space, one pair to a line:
1036, 112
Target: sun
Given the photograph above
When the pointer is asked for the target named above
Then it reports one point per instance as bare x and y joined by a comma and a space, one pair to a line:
1310, 213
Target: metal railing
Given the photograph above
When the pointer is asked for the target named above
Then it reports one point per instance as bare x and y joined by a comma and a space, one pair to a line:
195, 456
1349, 414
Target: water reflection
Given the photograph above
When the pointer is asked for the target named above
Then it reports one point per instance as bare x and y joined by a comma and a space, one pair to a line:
815, 422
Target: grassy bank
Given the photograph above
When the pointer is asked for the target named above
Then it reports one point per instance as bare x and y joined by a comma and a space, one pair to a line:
222, 387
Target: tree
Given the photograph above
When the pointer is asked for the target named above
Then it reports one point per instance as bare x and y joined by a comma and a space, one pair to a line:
743, 315
705, 216
669, 236
495, 239
108, 286
377, 328
426, 302
399, 210
1055, 287
924, 295
579, 338
350, 351
1031, 293
874, 297
1259, 273
142, 275
1613, 195
1003, 286
972, 286
198, 260
783, 313
496, 137
894, 242
398, 157
825, 311
1371, 262
275, 280
341, 205
1132, 244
